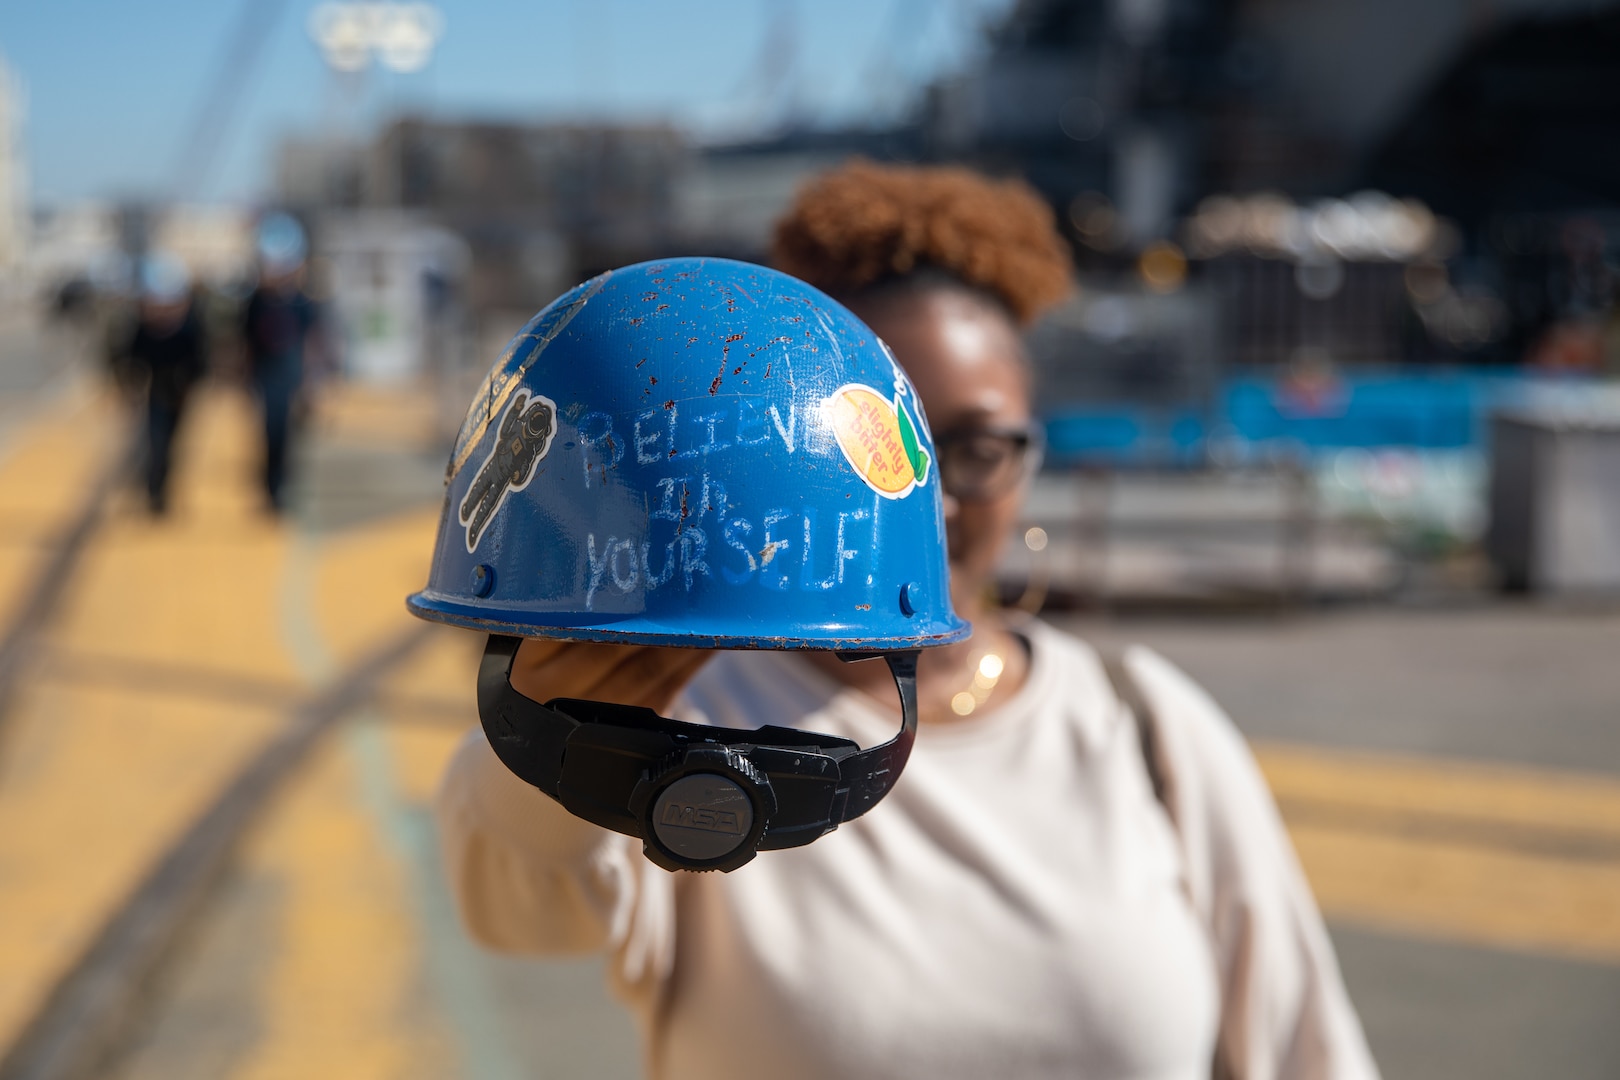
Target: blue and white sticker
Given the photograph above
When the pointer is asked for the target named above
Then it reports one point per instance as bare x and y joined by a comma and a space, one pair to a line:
524, 439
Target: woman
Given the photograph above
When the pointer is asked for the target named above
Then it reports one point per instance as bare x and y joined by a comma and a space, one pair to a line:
1021, 904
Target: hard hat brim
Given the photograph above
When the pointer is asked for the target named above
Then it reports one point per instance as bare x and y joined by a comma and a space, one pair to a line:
639, 630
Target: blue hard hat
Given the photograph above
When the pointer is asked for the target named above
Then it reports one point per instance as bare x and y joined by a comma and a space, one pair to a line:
164, 279
696, 452
280, 242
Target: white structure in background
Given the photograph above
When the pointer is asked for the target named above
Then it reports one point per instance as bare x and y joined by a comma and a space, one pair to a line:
400, 36
1555, 491
13, 171
393, 283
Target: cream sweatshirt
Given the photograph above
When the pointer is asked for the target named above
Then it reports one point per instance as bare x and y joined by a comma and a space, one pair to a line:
1019, 906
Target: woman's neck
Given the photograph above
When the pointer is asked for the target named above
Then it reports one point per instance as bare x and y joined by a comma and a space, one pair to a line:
947, 672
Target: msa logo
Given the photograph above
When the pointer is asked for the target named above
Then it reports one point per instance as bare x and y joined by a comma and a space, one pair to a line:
700, 817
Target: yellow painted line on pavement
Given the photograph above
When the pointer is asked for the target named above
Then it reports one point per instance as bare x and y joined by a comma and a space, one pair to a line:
1481, 854
1487, 794
344, 995
199, 586
46, 467
94, 784
1465, 893
95, 781
391, 416
102, 773
46, 463
420, 756
363, 576
438, 686
358, 986
441, 681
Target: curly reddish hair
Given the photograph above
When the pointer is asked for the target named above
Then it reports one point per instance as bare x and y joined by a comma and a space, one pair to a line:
864, 225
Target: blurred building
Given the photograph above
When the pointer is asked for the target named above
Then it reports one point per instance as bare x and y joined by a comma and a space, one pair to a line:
517, 192
1299, 173
1156, 105
727, 197
441, 238
538, 205
527, 209
1519, 140
321, 171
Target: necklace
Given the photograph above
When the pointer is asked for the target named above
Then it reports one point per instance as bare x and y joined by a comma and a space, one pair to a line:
985, 677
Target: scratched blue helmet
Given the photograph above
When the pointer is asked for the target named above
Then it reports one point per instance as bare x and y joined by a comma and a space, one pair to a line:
695, 452
701, 453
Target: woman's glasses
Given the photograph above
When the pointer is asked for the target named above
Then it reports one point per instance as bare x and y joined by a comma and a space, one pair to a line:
980, 464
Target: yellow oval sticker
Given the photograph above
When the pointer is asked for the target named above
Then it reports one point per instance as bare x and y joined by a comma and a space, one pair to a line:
878, 439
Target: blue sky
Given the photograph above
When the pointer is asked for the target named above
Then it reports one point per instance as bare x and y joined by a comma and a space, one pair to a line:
114, 88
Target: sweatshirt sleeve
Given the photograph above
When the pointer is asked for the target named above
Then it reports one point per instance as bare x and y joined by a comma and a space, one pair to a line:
529, 877
1285, 1012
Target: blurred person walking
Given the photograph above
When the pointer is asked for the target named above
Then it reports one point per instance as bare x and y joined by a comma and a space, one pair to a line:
1050, 889
278, 325
162, 357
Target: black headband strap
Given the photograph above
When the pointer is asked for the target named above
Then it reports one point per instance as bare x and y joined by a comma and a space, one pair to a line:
633, 771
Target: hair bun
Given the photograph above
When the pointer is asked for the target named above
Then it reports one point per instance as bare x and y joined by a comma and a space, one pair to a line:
863, 224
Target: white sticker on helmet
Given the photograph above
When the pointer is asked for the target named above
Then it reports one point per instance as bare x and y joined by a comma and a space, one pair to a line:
524, 438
